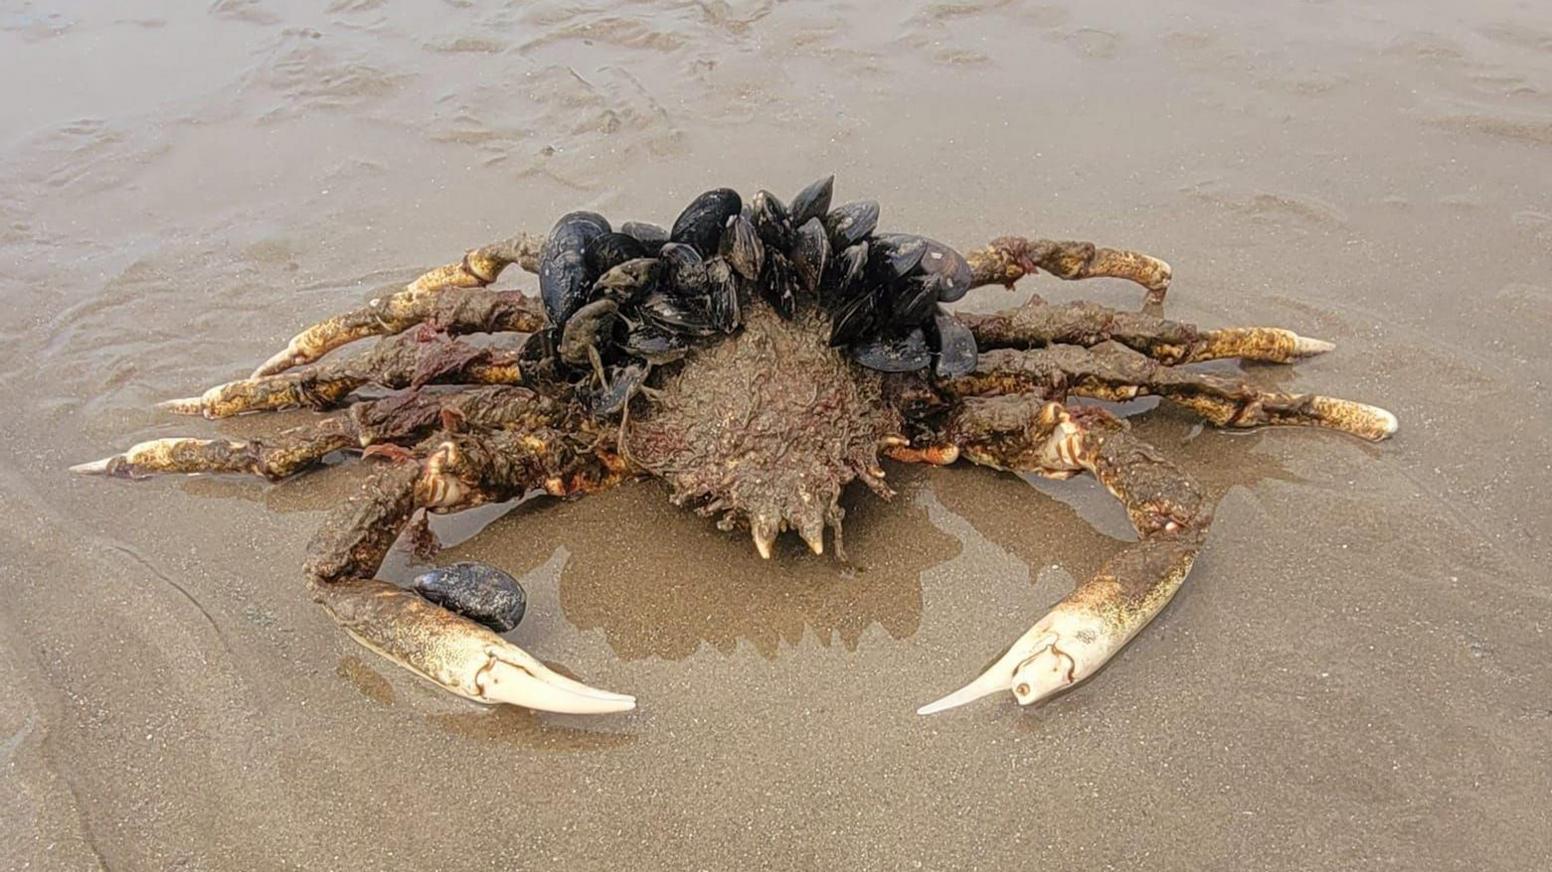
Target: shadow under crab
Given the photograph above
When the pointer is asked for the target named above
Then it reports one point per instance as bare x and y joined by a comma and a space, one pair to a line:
757, 357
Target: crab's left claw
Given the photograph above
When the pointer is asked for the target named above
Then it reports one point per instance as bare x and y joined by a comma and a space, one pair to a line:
455, 652
1065, 647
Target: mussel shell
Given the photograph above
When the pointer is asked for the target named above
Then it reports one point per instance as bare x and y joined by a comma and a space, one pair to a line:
853, 319
631, 280
914, 300
701, 222
610, 250
539, 345
811, 253
650, 235
481, 593
847, 270
688, 315
770, 219
941, 260
812, 202
741, 247
654, 344
779, 284
624, 381
892, 256
722, 295
851, 223
563, 279
684, 270
957, 352
588, 327
893, 352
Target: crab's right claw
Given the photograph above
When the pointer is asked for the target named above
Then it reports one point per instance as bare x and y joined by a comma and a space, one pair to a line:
455, 652
1063, 648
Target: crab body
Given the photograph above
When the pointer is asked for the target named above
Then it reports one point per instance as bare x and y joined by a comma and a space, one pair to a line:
757, 358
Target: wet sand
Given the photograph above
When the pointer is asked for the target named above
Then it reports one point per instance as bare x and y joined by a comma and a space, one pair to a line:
1357, 675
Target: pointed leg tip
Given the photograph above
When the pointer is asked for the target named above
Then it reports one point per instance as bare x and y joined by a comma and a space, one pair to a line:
95, 467
1305, 346
1388, 424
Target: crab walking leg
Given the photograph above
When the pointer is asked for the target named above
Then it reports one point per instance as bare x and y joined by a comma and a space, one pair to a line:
1039, 324
404, 307
403, 418
1096, 620
276, 458
1007, 259
457, 654
399, 361
1111, 371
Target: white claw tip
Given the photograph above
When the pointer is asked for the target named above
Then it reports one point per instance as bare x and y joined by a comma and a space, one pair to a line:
1304, 346
96, 467
763, 546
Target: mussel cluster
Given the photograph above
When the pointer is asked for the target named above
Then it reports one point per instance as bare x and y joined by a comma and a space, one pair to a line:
638, 295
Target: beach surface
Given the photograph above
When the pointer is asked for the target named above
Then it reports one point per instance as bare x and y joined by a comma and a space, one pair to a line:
1357, 675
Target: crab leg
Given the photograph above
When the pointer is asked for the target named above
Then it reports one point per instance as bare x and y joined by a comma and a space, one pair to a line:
399, 419
1091, 624
406, 360
404, 307
286, 454
1111, 371
1038, 324
1007, 259
457, 471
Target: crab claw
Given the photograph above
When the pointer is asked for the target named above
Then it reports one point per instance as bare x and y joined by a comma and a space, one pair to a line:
1062, 649
455, 652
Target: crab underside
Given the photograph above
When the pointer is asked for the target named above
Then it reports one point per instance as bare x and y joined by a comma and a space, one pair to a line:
761, 422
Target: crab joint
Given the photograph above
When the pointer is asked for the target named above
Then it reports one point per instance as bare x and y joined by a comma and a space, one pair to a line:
439, 487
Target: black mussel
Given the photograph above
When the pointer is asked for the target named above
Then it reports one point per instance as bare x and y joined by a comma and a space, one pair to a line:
624, 382
631, 280
853, 318
610, 250
892, 256
941, 260
650, 235
810, 253
563, 279
914, 300
741, 247
770, 219
779, 284
812, 202
684, 270
701, 222
956, 346
481, 593
655, 344
689, 315
894, 352
722, 295
851, 223
847, 271
588, 331
540, 345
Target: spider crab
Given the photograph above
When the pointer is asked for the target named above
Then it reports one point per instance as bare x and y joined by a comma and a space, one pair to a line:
758, 357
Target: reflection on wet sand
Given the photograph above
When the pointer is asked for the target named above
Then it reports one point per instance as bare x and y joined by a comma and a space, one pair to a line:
661, 581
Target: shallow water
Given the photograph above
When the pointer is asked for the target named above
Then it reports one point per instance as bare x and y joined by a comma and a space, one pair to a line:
1359, 672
